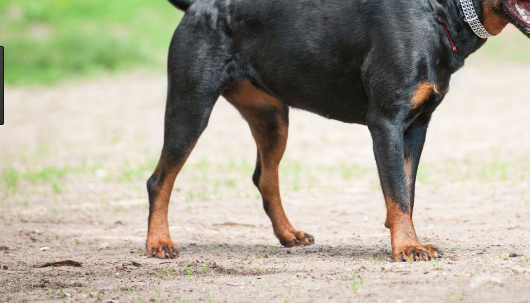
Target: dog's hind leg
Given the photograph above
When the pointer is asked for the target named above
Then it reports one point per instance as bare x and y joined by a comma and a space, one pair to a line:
268, 121
194, 86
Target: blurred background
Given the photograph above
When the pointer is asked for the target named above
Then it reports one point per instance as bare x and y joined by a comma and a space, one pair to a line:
52, 40
84, 107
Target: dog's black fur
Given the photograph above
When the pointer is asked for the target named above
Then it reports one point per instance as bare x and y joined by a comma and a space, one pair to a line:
382, 63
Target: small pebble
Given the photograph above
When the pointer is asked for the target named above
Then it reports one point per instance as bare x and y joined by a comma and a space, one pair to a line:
44, 248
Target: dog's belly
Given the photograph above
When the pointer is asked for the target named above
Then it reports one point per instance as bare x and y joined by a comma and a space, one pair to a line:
323, 89
337, 103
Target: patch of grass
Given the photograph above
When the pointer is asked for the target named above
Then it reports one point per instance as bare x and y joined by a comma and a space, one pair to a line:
376, 259
135, 172
495, 170
437, 265
188, 271
51, 175
11, 179
49, 40
356, 285
459, 296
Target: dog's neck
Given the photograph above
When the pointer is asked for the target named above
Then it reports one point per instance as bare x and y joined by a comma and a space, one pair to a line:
473, 20
488, 11
467, 42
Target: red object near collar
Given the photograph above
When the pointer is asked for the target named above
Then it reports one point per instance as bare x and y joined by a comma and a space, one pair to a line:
449, 36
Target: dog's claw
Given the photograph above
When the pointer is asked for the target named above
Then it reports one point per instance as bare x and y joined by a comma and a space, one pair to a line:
422, 252
309, 238
413, 251
416, 252
166, 252
293, 237
163, 249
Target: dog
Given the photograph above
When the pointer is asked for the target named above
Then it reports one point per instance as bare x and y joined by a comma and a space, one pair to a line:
385, 64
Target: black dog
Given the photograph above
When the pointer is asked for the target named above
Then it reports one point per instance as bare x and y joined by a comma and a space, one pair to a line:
382, 63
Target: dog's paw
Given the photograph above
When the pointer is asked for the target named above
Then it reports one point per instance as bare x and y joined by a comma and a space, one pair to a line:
162, 248
416, 252
295, 238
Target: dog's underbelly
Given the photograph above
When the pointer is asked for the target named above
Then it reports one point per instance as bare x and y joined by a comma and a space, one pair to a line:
348, 110
338, 97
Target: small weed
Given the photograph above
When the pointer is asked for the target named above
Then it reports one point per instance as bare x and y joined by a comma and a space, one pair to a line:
62, 294
456, 297
89, 292
356, 285
371, 258
188, 271
11, 179
230, 183
118, 209
436, 265
502, 256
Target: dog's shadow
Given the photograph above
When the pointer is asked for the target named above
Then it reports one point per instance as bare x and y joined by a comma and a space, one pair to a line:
346, 251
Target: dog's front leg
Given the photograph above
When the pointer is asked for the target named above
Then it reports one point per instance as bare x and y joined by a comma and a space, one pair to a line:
397, 153
414, 139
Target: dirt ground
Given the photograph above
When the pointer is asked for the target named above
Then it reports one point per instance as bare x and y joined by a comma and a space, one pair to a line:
75, 159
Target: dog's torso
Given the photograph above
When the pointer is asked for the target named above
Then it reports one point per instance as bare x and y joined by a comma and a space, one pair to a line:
334, 58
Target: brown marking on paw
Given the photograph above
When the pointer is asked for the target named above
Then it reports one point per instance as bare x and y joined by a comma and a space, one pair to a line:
414, 251
405, 243
161, 246
295, 237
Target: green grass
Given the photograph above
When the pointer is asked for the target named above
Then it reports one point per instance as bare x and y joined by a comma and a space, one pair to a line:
50, 40
51, 175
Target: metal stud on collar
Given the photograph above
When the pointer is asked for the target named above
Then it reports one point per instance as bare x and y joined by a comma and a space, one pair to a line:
472, 19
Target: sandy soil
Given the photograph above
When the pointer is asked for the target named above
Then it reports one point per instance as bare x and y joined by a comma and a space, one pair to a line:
80, 155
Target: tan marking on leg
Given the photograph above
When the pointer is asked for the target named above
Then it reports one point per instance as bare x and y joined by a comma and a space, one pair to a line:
405, 243
423, 92
408, 174
158, 236
271, 141
246, 97
493, 22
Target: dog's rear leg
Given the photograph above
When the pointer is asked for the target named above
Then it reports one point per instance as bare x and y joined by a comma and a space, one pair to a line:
185, 120
268, 121
191, 97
